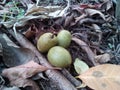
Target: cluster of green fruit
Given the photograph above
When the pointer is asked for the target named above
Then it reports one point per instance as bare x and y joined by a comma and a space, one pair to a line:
55, 46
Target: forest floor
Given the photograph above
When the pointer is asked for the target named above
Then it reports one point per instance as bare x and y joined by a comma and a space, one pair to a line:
94, 45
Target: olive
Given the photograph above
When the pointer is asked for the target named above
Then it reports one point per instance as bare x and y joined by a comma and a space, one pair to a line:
46, 41
59, 57
64, 38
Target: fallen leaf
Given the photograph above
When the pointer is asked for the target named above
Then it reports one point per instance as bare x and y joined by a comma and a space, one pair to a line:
80, 66
86, 48
18, 76
14, 55
97, 28
20, 82
103, 58
96, 6
102, 77
31, 32
32, 9
80, 17
24, 71
92, 12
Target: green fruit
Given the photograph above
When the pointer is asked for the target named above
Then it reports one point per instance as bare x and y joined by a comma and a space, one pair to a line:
59, 57
64, 38
46, 41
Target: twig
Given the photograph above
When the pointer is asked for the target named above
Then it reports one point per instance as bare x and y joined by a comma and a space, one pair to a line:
74, 81
56, 77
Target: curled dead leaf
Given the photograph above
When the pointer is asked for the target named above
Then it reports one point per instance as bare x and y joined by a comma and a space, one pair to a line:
102, 58
86, 48
92, 12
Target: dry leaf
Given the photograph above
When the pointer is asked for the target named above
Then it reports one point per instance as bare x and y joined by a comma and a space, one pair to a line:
80, 66
18, 76
80, 17
14, 55
20, 82
86, 48
97, 28
24, 71
102, 58
102, 77
31, 32
33, 9
92, 12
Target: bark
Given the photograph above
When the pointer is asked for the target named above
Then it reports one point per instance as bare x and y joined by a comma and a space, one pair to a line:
55, 76
75, 82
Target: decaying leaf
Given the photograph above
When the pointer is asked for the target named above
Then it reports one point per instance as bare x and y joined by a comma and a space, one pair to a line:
86, 48
31, 32
14, 55
20, 82
32, 9
80, 66
19, 75
102, 58
96, 27
24, 71
102, 77
92, 12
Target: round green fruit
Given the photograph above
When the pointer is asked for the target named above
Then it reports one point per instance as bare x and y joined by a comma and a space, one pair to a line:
64, 38
46, 41
59, 57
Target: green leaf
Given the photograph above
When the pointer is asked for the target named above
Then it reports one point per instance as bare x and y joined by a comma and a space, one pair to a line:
80, 66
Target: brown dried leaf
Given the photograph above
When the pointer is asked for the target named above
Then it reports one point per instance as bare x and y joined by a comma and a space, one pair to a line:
92, 12
102, 58
80, 17
102, 77
86, 48
20, 82
19, 75
31, 32
32, 9
24, 71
